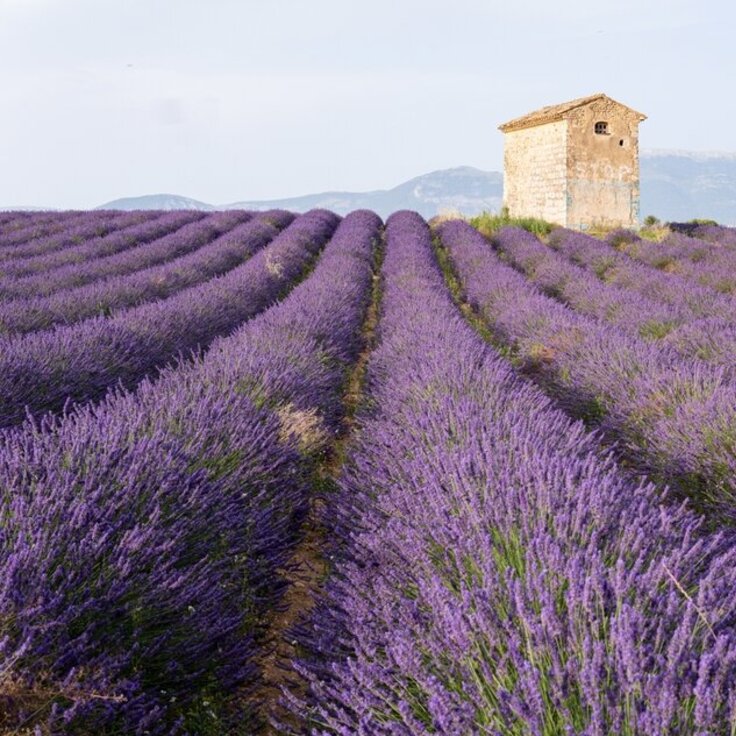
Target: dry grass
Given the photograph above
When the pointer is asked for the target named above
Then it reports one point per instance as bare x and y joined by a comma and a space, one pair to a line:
274, 267
655, 233
36, 699
446, 215
304, 425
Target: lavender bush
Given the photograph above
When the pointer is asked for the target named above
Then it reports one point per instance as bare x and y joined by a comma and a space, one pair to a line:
41, 371
141, 539
497, 572
148, 245
157, 282
675, 417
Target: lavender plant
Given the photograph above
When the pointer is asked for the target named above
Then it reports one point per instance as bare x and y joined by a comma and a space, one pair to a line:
497, 572
41, 371
118, 292
141, 539
675, 417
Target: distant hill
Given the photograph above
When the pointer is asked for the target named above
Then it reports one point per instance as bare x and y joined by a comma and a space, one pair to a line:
156, 202
681, 185
464, 188
675, 185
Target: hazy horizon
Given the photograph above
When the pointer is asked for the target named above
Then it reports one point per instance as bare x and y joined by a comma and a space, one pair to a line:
231, 101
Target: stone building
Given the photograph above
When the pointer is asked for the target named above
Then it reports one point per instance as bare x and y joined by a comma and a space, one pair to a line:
575, 164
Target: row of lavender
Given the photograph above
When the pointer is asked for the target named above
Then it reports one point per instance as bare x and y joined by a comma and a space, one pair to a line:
191, 254
14, 220
141, 539
41, 371
674, 318
701, 261
710, 232
675, 416
708, 331
710, 309
497, 572
71, 242
47, 228
120, 252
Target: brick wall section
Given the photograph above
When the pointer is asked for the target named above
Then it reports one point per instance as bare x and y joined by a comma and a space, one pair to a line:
535, 172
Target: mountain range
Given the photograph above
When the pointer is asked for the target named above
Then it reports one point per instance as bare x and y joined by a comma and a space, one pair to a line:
675, 186
464, 188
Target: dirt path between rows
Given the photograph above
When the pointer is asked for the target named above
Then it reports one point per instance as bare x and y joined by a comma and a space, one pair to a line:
308, 568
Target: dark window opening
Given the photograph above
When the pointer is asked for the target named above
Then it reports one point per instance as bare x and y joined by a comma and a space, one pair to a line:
621, 142
601, 128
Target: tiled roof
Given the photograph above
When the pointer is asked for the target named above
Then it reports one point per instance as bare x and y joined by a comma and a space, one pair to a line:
551, 113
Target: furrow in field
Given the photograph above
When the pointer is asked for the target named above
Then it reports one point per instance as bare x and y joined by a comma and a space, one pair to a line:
309, 565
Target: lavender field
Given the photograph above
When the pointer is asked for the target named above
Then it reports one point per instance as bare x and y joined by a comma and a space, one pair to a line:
267, 473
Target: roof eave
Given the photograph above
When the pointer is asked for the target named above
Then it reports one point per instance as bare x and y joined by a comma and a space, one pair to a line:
511, 126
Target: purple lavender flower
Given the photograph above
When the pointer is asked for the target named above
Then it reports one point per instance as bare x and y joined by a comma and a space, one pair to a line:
142, 539
496, 571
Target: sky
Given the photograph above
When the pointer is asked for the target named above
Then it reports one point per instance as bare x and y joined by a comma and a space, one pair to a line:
227, 100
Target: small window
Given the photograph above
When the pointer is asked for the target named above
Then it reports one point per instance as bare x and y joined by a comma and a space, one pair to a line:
601, 128
621, 142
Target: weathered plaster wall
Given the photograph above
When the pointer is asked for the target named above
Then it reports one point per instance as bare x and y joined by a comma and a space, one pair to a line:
602, 170
535, 171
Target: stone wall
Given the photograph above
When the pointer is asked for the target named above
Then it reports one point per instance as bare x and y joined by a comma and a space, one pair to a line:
603, 169
535, 172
